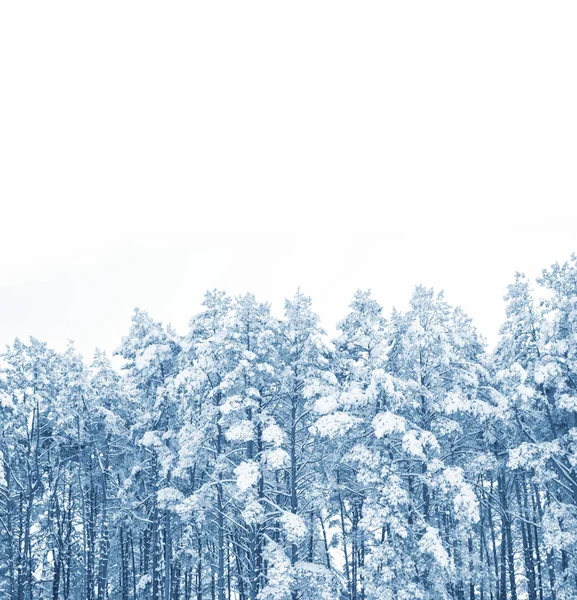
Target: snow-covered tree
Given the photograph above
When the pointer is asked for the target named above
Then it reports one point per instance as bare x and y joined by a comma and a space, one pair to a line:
253, 459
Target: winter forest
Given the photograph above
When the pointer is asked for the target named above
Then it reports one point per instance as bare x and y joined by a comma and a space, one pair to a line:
256, 458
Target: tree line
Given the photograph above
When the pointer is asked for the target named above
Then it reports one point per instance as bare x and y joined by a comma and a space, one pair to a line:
254, 458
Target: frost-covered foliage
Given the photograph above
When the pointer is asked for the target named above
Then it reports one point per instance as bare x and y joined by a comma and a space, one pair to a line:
255, 459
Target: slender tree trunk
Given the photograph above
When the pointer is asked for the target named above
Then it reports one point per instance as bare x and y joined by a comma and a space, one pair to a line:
325, 542
123, 565
220, 522
526, 537
167, 554
133, 563
104, 549
293, 477
10, 508
507, 535
155, 550
345, 550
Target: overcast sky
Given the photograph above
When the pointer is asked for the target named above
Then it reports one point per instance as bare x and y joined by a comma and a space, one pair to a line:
152, 150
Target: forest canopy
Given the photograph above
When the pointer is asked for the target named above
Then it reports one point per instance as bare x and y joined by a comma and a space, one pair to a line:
255, 458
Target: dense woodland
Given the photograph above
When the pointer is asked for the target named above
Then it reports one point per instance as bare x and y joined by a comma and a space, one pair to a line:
255, 458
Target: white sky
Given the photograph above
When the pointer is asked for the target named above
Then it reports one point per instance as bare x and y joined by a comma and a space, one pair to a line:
149, 151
